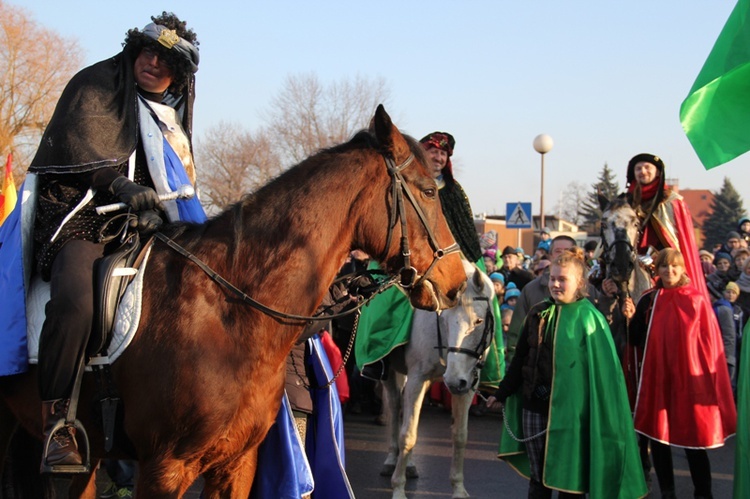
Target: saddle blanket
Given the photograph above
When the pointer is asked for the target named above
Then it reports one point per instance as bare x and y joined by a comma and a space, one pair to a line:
126, 320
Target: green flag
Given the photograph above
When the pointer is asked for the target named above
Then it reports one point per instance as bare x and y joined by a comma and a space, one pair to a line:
716, 113
742, 444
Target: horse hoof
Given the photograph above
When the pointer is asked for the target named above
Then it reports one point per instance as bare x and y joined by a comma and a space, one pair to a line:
411, 471
387, 469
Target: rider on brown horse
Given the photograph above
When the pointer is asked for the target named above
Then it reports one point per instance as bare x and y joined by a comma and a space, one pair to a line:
120, 132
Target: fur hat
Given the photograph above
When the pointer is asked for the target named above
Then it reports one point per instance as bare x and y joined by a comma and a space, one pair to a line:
649, 158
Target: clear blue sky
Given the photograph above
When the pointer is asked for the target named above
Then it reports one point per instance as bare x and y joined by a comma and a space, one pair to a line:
604, 79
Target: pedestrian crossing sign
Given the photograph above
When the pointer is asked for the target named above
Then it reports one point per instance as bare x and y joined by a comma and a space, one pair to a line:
518, 215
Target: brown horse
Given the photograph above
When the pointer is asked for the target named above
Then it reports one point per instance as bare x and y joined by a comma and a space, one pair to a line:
202, 381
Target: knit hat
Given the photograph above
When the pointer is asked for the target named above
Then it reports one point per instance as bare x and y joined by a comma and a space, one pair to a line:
497, 277
512, 293
733, 235
732, 286
511, 285
722, 256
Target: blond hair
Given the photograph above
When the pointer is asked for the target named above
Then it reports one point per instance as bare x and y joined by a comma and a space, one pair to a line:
575, 257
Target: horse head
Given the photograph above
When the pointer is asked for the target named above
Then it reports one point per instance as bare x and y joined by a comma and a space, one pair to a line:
619, 230
418, 243
471, 328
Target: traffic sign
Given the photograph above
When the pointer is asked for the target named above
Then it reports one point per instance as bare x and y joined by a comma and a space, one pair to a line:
518, 215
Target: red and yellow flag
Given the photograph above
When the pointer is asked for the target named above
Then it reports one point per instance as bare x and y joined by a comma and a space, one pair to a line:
8, 195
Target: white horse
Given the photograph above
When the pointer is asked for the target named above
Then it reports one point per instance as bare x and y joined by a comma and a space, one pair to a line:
620, 232
451, 345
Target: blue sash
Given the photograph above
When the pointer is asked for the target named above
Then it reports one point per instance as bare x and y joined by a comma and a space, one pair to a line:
13, 350
190, 210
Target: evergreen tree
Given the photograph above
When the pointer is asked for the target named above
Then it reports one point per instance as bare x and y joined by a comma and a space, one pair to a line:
726, 211
607, 185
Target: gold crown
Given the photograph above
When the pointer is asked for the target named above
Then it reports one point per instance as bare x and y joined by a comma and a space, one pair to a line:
168, 38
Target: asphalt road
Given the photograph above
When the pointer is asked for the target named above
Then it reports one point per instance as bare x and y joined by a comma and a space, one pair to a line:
485, 475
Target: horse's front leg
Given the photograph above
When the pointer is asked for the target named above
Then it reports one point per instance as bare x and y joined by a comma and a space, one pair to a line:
392, 410
459, 431
413, 396
164, 478
233, 480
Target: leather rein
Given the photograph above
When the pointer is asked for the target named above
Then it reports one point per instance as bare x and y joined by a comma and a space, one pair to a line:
408, 274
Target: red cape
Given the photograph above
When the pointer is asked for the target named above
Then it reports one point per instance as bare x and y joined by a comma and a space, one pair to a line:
684, 395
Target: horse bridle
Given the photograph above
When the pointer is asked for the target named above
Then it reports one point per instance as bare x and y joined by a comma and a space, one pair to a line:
409, 275
621, 238
487, 332
398, 187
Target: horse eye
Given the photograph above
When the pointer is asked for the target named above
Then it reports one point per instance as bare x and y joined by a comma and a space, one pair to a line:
430, 193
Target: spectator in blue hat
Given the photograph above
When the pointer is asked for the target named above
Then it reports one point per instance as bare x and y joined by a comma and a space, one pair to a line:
498, 280
511, 295
546, 241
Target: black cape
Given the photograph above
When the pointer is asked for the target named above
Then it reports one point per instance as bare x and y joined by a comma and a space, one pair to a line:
95, 123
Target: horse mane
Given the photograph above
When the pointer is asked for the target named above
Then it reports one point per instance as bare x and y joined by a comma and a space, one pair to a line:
617, 203
251, 225
361, 140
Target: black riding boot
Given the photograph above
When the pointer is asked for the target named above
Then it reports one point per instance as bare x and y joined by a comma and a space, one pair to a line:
63, 448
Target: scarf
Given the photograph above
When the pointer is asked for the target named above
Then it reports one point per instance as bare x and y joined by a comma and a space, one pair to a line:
744, 282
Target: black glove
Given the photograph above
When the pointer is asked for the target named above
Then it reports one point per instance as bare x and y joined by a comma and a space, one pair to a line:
148, 221
138, 197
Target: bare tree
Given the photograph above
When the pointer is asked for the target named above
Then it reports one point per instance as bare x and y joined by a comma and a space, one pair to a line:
35, 64
233, 162
306, 116
571, 202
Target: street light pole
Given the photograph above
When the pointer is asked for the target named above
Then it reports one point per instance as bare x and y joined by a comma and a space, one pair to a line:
542, 144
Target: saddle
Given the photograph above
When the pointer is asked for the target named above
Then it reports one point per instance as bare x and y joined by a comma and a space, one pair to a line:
112, 275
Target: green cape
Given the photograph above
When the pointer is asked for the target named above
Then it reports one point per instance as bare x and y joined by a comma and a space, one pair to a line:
599, 454
386, 324
742, 445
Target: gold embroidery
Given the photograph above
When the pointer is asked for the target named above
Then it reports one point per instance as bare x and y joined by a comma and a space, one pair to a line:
168, 38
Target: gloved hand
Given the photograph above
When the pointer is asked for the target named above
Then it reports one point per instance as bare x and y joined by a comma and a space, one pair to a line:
138, 197
148, 221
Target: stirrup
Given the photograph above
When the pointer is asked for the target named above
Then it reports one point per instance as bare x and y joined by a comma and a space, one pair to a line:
83, 442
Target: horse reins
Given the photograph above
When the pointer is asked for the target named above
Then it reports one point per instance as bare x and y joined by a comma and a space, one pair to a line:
398, 187
409, 275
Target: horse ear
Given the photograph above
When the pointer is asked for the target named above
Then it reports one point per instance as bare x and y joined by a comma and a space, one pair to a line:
477, 278
388, 135
603, 200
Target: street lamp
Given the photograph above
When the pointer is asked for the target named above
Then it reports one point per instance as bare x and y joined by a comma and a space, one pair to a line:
542, 144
